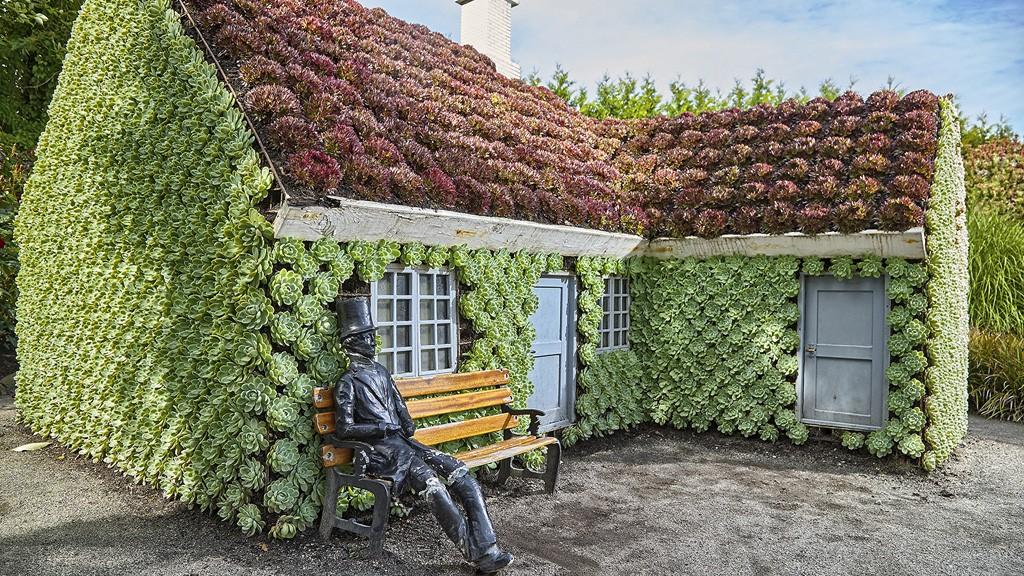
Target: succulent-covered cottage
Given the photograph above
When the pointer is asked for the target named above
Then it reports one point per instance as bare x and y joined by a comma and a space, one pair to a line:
215, 173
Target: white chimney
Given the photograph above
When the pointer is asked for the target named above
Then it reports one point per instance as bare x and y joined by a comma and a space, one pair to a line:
487, 26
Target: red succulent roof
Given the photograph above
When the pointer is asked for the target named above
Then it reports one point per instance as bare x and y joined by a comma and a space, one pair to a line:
358, 104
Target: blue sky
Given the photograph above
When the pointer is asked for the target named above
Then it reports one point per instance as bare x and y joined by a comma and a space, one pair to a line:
972, 48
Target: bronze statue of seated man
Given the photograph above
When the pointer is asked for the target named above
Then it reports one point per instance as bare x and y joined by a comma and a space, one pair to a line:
369, 408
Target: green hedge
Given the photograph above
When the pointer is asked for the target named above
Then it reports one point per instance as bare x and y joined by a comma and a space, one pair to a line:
14, 168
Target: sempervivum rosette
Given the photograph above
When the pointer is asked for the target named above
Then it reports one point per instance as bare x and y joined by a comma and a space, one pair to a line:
813, 219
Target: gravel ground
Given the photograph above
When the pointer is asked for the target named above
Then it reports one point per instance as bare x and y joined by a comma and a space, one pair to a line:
654, 501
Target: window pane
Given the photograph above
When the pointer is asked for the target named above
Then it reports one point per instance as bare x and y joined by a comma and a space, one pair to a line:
618, 339
387, 338
403, 337
426, 310
444, 334
427, 363
403, 364
444, 359
403, 284
443, 310
442, 284
402, 311
386, 285
427, 335
617, 324
426, 285
387, 359
604, 340
385, 310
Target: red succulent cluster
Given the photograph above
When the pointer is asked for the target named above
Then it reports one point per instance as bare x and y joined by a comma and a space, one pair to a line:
365, 105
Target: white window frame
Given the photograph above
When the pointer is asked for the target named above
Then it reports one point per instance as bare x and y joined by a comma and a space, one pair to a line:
613, 333
388, 355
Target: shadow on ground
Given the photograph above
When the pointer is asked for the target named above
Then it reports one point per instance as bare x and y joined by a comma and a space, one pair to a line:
655, 501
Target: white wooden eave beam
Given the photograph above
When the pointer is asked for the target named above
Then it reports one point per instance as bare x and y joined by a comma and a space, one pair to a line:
361, 220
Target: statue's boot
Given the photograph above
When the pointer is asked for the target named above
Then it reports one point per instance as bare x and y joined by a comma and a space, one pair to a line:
483, 549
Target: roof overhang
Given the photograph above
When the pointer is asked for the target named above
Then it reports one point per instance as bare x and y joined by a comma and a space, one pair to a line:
352, 220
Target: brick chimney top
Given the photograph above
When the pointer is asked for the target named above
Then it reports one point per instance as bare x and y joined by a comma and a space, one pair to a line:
487, 26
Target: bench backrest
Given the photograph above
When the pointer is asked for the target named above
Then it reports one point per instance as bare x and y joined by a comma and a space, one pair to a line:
472, 391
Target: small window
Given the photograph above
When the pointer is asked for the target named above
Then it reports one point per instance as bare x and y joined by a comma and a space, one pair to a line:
415, 314
614, 329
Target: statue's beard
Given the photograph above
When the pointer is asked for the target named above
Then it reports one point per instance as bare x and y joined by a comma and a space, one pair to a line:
362, 348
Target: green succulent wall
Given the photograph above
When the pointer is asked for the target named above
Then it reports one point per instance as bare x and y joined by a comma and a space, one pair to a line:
154, 356
612, 393
496, 297
719, 339
722, 338
947, 317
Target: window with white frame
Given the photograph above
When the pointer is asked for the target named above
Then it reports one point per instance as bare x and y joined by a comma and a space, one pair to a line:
614, 329
415, 314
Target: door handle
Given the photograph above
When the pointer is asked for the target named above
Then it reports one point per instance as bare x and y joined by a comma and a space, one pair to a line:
811, 350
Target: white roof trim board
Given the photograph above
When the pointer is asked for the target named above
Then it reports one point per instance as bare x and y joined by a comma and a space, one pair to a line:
361, 220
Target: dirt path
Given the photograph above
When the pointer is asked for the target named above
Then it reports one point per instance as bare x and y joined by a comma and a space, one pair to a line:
652, 502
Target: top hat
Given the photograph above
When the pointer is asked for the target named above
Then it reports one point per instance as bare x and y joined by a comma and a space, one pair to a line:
354, 316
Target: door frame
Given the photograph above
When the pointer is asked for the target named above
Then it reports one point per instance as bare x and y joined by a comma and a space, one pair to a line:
572, 334
801, 302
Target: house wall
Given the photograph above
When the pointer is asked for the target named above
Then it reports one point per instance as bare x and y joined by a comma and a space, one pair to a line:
714, 343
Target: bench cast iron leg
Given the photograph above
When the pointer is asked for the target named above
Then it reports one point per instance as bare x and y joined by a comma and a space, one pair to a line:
551, 462
381, 510
329, 514
504, 471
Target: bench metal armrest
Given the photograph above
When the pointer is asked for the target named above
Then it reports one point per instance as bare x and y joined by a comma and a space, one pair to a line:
534, 414
360, 453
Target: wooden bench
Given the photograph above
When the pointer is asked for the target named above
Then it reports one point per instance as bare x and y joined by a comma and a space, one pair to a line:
464, 391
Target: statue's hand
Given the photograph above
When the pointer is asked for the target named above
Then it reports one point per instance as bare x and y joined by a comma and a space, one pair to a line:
409, 431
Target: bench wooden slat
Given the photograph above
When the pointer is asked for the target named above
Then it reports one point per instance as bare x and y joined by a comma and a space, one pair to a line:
458, 403
332, 456
441, 383
502, 450
465, 429
513, 441
323, 397
324, 422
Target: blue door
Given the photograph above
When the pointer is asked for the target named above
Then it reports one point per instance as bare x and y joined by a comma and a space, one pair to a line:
844, 352
554, 352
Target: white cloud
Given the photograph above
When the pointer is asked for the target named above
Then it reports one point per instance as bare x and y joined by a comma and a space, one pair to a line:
974, 49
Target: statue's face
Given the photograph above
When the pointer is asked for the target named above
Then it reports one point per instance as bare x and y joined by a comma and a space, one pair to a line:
364, 344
